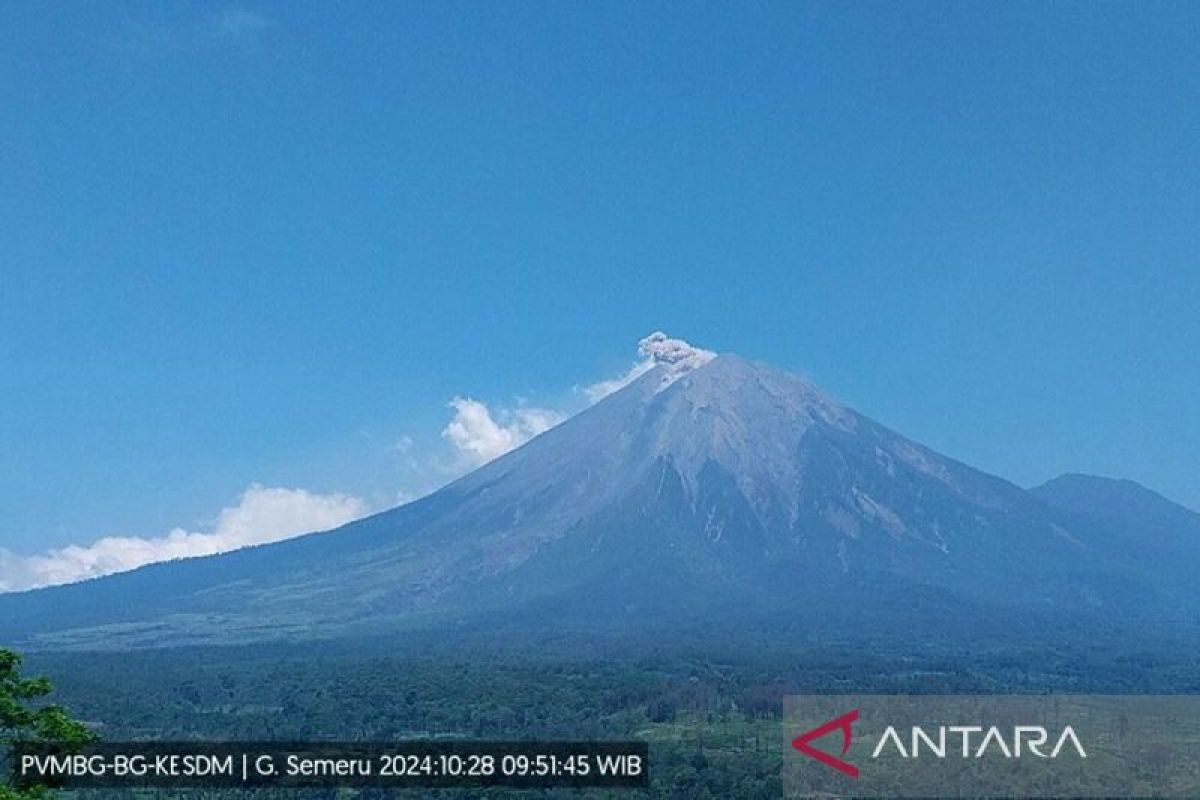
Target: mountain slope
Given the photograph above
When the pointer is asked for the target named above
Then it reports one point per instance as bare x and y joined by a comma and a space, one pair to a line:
705, 489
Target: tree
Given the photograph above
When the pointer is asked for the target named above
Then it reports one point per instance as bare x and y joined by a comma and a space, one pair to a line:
25, 720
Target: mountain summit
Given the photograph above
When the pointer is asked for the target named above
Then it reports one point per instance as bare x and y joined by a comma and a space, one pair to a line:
708, 487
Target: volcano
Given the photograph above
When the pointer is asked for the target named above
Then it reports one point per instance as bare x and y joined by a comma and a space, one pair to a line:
708, 489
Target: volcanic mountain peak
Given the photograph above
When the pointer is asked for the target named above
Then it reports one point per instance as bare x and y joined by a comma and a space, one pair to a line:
700, 412
747, 418
709, 485
675, 356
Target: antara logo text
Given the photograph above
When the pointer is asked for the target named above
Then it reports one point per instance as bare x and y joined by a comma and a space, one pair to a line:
944, 741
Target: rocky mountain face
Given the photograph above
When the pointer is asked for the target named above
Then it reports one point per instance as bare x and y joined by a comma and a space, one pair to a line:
708, 488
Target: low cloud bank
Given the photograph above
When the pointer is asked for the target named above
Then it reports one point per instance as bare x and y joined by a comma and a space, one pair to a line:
262, 515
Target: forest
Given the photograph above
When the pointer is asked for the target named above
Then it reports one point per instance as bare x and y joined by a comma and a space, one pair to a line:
709, 708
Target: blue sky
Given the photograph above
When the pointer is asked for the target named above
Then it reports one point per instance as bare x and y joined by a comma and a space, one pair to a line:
268, 244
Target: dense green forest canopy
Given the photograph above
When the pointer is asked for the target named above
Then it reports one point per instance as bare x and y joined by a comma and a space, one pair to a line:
711, 712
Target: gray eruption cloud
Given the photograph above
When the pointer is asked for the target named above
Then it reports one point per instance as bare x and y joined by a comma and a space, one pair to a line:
676, 355
662, 349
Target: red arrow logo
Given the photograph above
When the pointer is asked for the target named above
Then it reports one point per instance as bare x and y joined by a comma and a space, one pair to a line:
841, 723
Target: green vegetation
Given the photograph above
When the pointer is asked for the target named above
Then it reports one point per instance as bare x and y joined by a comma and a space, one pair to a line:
712, 714
24, 719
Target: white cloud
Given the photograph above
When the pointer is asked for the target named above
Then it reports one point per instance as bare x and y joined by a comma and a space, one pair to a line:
263, 514
480, 437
